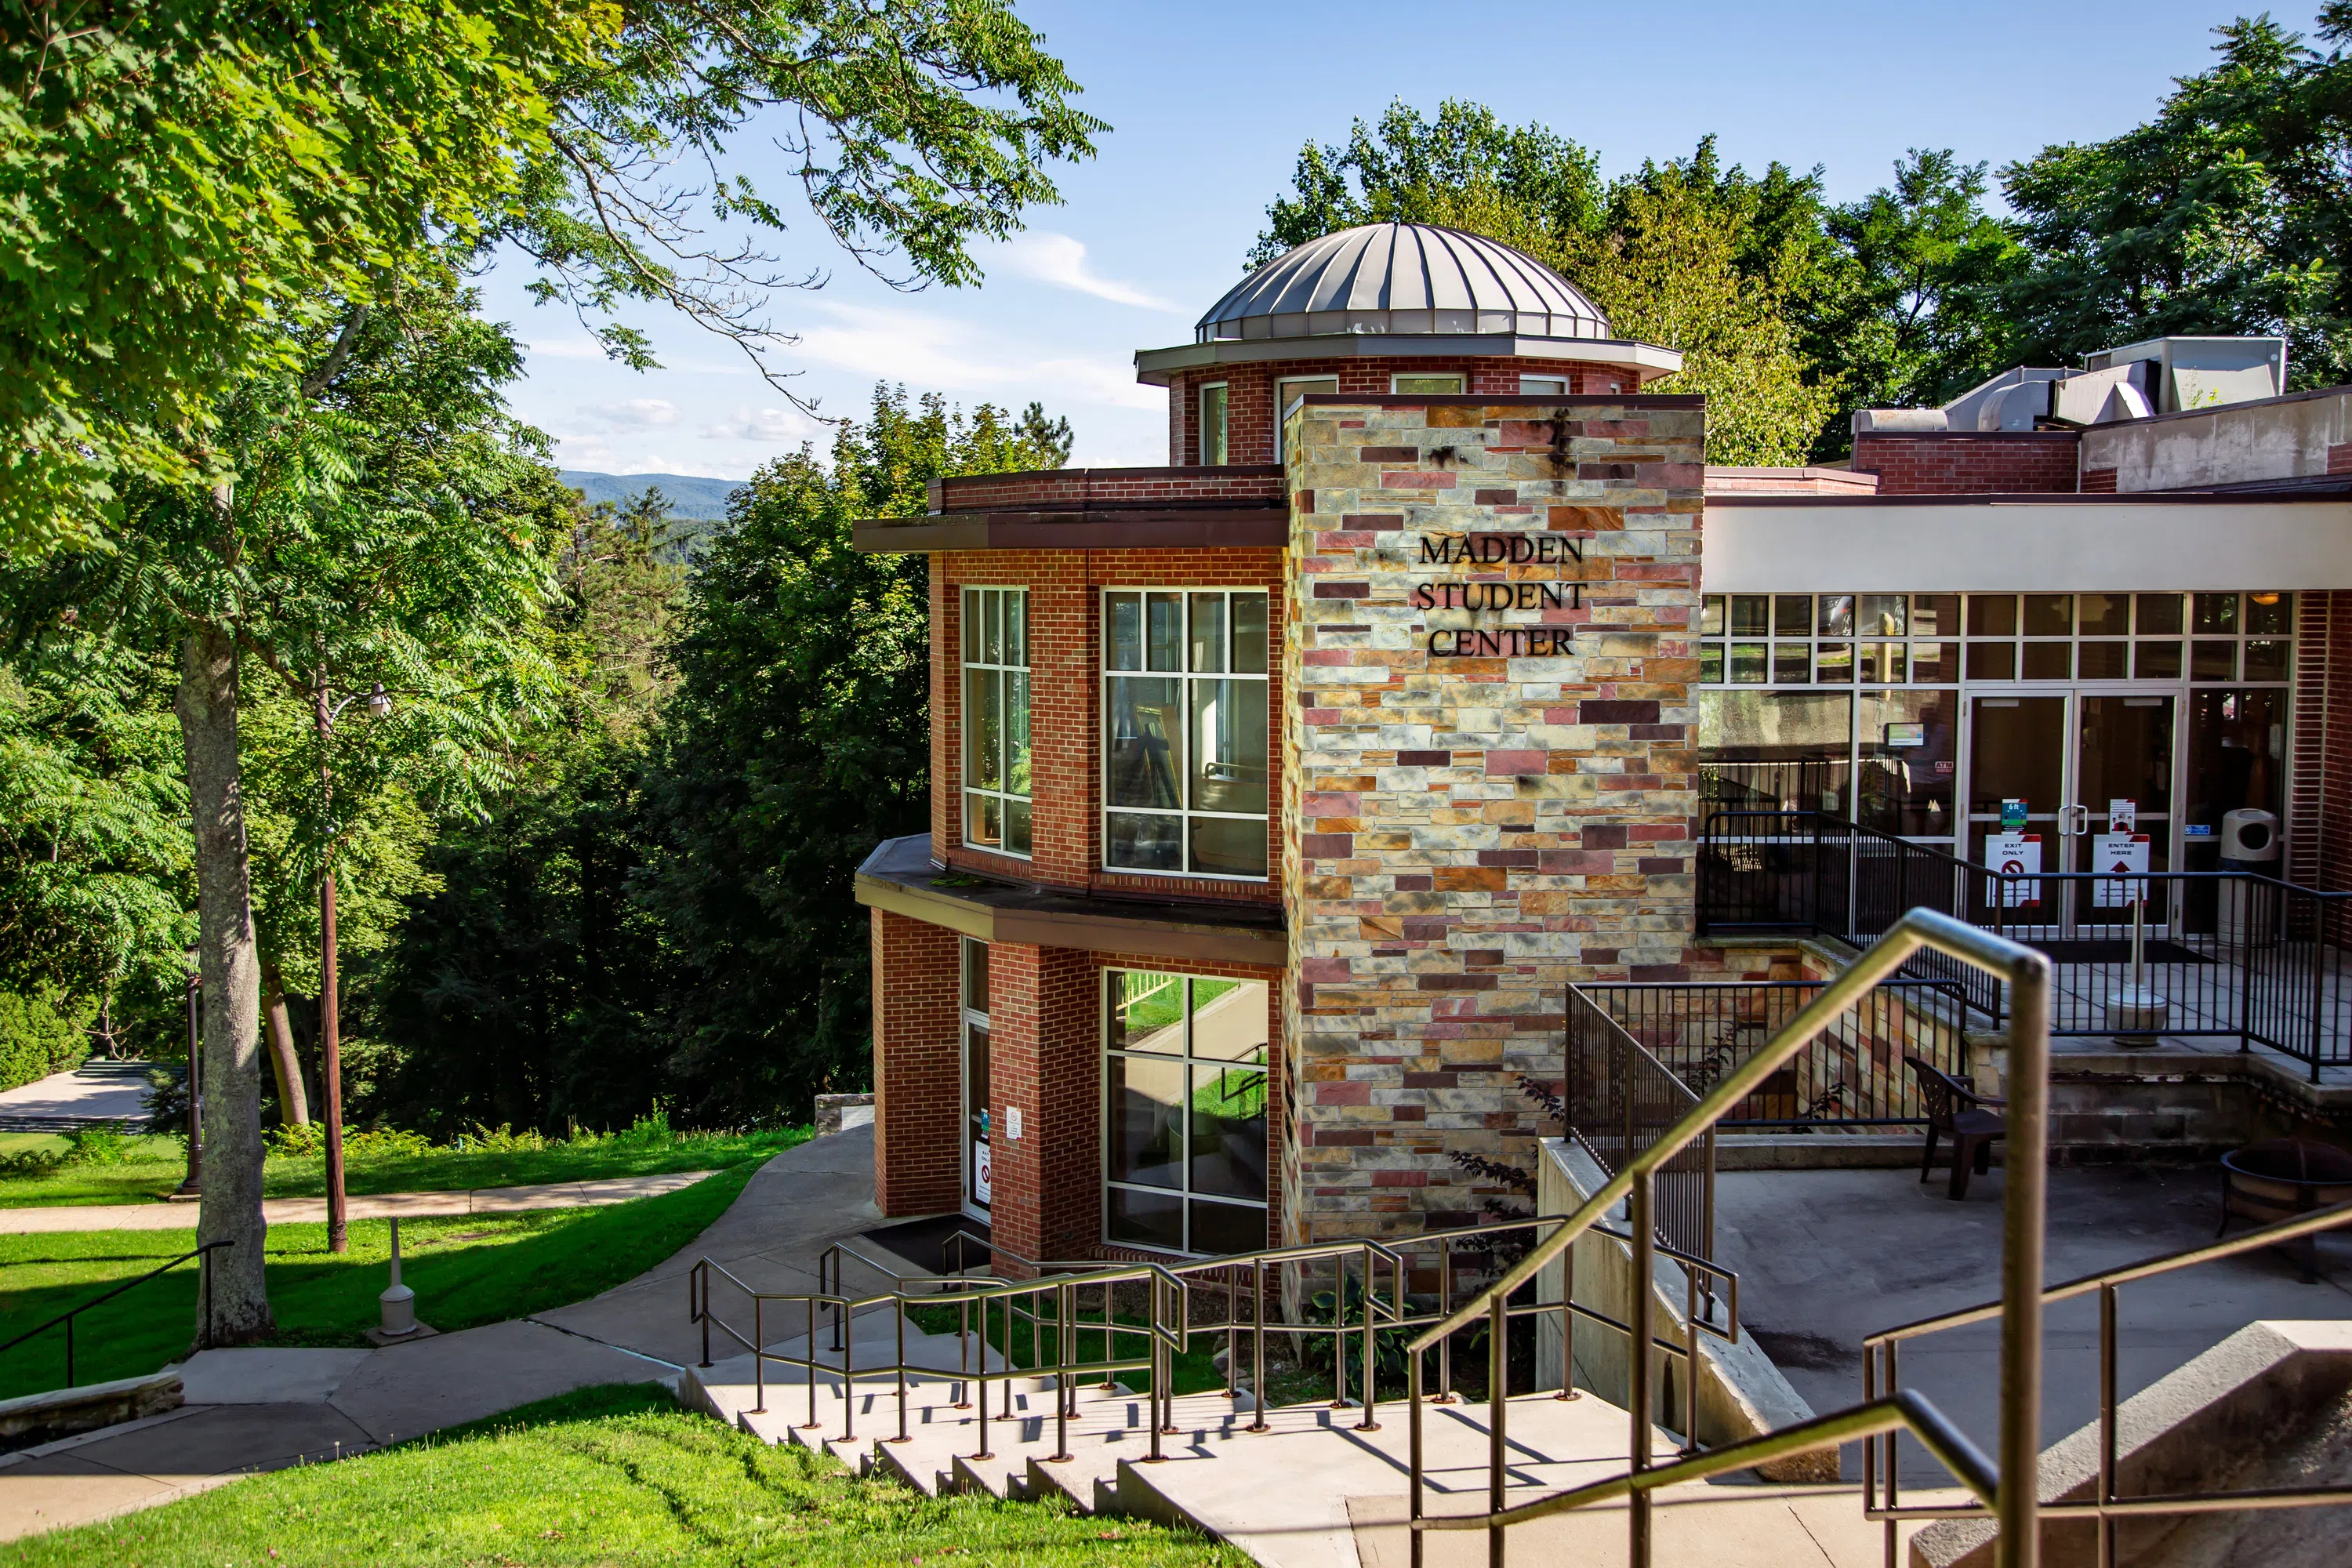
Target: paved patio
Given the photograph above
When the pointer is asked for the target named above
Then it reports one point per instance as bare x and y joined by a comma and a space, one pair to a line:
1825, 1257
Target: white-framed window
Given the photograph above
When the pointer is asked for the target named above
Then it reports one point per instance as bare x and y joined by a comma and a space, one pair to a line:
1543, 386
1425, 386
1184, 1112
1212, 424
1288, 390
996, 720
1185, 751
975, 997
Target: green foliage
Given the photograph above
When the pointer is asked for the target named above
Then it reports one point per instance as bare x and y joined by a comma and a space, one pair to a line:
607, 1475
796, 740
1414, 170
186, 186
2228, 212
40, 1034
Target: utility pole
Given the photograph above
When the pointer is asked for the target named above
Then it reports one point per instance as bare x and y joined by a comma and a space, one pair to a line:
330, 1050
193, 1186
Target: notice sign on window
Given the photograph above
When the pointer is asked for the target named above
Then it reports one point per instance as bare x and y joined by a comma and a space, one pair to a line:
980, 1172
2015, 860
1900, 735
2125, 852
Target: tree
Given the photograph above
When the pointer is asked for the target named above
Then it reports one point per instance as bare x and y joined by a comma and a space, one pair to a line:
1413, 169
187, 185
787, 753
389, 527
2227, 212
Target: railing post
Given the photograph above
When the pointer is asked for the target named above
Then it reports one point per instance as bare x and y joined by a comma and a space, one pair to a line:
760, 1357
1498, 1405
1257, 1348
1061, 1373
848, 1377
2106, 1424
1567, 1323
1160, 1359
983, 1453
1641, 1223
1444, 1306
1370, 1422
1412, 1446
899, 1305
2027, 1168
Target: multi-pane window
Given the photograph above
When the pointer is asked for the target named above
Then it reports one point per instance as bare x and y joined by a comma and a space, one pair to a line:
1184, 731
1212, 424
996, 720
1184, 1119
1425, 386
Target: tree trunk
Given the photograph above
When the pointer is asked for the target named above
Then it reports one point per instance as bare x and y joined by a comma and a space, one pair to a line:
285, 1063
229, 960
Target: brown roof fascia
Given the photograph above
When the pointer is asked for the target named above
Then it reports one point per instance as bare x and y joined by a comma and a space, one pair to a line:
1661, 402
1174, 528
1726, 502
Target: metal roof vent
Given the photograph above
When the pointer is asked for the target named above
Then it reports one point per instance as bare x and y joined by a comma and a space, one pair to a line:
1393, 278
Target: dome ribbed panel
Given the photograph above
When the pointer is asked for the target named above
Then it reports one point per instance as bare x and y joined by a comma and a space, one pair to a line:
1449, 281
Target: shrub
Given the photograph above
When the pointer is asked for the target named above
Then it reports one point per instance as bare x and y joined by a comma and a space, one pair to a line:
40, 1034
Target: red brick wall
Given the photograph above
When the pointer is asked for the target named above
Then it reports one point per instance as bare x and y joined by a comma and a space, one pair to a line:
1045, 1056
1969, 462
2339, 459
916, 1059
1056, 488
1066, 691
2098, 481
1250, 390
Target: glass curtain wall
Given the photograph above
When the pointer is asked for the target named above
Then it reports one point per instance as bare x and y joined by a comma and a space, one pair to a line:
1185, 739
1851, 703
1184, 1113
996, 720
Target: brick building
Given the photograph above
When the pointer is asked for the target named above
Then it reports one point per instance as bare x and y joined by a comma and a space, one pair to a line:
1278, 794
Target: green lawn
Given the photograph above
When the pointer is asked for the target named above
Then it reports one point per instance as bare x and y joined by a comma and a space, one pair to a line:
465, 1269
153, 1166
605, 1476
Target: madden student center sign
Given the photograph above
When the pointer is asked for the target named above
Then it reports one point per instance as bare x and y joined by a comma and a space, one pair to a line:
1489, 774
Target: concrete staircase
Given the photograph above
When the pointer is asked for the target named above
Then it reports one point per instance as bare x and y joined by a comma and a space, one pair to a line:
1311, 1491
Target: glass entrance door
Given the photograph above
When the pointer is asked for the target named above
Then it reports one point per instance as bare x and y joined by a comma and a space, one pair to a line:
2070, 759
975, 1065
2124, 753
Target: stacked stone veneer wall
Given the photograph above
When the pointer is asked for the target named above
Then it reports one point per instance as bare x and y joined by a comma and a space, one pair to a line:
1464, 836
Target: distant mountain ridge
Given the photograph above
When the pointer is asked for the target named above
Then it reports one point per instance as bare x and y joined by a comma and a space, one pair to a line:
691, 499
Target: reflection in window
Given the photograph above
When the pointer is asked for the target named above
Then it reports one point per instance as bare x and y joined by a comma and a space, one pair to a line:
996, 720
1185, 1154
1908, 763
1775, 750
1185, 732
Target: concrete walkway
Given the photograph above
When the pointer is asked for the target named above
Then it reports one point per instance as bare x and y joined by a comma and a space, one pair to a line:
96, 1094
256, 1410
178, 1215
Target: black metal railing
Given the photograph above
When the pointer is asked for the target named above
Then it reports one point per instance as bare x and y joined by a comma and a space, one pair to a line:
1851, 1075
2232, 954
66, 1317
1618, 1100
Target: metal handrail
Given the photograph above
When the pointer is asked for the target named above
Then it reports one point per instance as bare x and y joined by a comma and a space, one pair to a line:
2028, 973
204, 1270
1879, 1360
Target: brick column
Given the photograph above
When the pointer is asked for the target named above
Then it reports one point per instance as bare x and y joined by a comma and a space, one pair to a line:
918, 1054
1472, 833
1044, 1061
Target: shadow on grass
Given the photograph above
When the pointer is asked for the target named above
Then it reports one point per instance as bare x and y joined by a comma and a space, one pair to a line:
467, 1270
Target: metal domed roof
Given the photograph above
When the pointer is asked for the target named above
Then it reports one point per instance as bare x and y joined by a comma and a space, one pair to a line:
1402, 278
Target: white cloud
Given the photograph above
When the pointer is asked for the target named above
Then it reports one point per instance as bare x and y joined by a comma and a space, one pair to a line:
770, 426
1058, 259
570, 348
633, 414
929, 352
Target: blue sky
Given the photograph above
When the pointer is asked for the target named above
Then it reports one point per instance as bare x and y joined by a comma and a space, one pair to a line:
1209, 104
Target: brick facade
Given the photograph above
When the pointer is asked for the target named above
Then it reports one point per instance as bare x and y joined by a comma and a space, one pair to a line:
1064, 590
1469, 835
917, 1048
1969, 462
1078, 490
1250, 410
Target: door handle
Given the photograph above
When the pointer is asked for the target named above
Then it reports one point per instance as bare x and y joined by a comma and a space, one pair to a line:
2073, 819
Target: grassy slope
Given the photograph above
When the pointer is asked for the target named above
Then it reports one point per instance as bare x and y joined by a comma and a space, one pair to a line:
465, 1269
602, 1475
155, 1166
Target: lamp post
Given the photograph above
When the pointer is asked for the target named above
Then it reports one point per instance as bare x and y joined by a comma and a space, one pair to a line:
331, 1051
193, 1186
